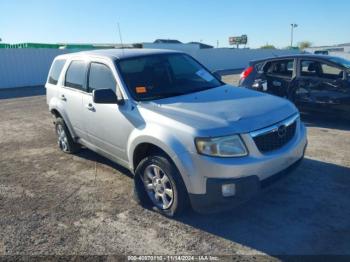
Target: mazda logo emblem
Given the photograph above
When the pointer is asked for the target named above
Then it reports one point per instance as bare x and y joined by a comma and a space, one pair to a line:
281, 131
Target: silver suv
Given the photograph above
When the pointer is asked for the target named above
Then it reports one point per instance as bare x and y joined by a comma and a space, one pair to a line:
188, 138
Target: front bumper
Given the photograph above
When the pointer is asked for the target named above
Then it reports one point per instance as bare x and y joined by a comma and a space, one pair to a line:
246, 188
204, 175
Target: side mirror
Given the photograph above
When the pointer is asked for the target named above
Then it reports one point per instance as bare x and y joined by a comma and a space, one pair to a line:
217, 75
106, 96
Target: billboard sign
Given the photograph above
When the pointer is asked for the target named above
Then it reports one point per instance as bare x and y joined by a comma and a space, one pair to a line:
238, 40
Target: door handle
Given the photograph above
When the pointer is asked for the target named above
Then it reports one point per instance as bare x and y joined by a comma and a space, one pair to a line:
90, 107
63, 98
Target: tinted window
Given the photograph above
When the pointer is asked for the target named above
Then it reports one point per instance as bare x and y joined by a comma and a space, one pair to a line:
101, 77
281, 68
56, 71
164, 75
317, 69
75, 76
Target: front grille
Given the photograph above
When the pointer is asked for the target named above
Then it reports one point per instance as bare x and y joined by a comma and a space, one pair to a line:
276, 138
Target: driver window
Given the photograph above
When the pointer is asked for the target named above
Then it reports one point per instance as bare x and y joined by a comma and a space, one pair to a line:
321, 70
100, 77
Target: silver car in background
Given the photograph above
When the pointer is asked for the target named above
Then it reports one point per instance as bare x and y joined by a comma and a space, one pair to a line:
188, 138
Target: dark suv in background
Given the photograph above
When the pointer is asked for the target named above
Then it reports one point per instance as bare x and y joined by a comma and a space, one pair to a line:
313, 82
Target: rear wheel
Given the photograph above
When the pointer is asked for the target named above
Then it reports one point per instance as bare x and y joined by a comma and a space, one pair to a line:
158, 184
64, 139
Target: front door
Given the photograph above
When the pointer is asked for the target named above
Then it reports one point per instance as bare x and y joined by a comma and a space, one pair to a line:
107, 125
321, 87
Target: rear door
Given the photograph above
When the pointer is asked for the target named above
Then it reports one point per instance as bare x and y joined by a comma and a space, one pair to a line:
279, 74
321, 86
71, 93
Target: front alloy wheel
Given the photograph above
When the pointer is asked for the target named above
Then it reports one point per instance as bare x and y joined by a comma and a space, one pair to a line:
158, 187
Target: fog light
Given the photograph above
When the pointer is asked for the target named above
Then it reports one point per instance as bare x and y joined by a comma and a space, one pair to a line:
228, 190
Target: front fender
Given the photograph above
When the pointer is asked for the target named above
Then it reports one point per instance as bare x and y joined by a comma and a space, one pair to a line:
157, 136
168, 142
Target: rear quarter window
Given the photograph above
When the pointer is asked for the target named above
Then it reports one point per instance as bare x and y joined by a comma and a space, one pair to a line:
55, 71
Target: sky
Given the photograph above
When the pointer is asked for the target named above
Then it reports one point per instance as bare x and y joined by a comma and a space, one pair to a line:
322, 22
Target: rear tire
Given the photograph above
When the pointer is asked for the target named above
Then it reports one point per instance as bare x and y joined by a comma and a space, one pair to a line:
64, 139
158, 184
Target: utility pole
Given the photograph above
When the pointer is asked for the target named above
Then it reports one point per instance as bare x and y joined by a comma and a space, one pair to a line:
291, 34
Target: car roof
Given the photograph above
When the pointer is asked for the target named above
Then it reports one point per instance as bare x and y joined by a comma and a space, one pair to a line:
120, 53
308, 56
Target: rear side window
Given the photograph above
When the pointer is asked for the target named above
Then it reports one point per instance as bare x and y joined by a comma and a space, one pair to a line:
75, 76
259, 67
101, 77
56, 71
280, 68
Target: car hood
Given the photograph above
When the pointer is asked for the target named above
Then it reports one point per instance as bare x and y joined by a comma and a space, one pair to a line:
225, 109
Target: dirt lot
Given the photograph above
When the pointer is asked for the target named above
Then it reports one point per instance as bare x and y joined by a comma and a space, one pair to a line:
54, 203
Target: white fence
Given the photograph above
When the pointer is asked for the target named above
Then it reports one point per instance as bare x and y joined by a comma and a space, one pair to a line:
29, 67
226, 59
223, 58
25, 67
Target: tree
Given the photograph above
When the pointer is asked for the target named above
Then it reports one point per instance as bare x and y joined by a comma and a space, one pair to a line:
267, 46
304, 44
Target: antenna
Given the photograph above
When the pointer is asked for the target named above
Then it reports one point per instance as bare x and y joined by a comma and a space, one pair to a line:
120, 36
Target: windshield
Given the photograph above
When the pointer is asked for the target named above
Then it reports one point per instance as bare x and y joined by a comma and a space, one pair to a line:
342, 61
164, 75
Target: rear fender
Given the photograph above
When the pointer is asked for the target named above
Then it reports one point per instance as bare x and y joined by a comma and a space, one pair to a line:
56, 104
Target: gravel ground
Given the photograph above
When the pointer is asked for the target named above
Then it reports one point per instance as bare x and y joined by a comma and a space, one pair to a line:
52, 203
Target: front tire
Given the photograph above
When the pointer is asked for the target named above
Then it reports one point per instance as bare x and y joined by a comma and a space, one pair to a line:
158, 184
64, 139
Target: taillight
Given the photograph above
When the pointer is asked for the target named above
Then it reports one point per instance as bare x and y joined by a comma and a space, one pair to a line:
247, 72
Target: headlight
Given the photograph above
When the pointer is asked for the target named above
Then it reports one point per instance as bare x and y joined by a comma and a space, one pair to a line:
227, 146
